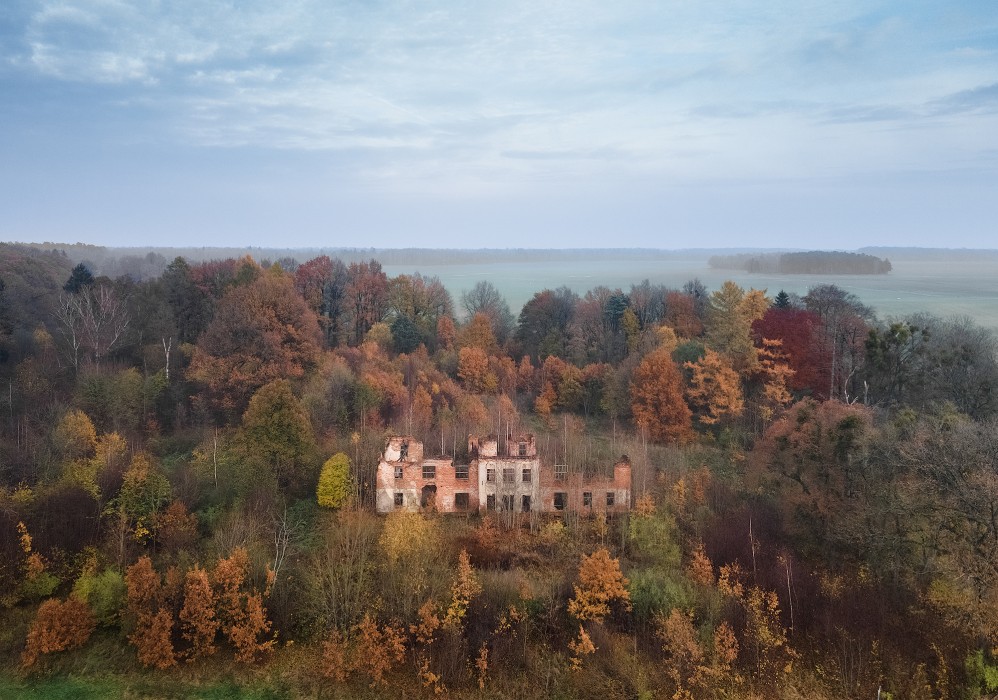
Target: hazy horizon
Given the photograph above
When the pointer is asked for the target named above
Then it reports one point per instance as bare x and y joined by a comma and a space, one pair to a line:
443, 125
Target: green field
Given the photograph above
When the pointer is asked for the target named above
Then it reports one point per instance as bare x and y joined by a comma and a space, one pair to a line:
947, 288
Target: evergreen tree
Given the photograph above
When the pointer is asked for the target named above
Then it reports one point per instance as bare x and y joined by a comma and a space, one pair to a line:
79, 278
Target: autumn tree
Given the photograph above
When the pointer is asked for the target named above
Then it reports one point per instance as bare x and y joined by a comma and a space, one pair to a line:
322, 283
378, 649
366, 298
771, 380
261, 332
334, 482
485, 299
730, 315
681, 315
241, 612
600, 585
657, 399
800, 334
715, 390
415, 304
473, 370
465, 588
695, 667
199, 623
542, 329
151, 615
819, 453
58, 626
843, 330
410, 573
276, 433
478, 333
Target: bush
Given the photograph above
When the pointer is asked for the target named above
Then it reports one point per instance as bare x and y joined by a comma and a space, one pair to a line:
104, 593
58, 626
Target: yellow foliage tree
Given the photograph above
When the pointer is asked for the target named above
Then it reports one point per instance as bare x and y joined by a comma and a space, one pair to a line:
600, 585
730, 314
465, 588
334, 482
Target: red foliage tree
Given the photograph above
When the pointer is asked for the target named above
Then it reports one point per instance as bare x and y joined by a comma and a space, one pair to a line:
806, 352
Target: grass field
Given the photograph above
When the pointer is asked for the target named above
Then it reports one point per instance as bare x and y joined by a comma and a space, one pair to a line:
947, 288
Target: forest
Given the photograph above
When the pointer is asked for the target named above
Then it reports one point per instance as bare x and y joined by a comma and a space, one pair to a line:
814, 262
187, 474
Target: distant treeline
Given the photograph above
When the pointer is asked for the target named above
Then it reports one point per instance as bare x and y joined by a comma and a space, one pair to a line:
815, 262
147, 262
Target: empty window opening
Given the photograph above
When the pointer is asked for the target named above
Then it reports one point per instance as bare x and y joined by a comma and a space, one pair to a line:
490, 476
609, 499
461, 471
460, 501
398, 472
508, 475
490, 502
399, 499
429, 496
560, 500
404, 451
587, 499
526, 476
507, 503
525, 503
522, 449
429, 471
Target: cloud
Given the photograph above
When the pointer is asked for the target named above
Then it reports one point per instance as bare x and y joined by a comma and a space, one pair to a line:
440, 94
983, 98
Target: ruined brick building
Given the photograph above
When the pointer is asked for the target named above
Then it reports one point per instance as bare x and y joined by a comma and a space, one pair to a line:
512, 481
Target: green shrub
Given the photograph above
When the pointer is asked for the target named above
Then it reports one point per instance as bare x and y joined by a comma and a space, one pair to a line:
104, 593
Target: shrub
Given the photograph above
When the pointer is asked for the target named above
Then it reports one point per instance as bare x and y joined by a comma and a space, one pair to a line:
58, 626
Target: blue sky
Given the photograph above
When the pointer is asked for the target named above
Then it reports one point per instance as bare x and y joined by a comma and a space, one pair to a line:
672, 124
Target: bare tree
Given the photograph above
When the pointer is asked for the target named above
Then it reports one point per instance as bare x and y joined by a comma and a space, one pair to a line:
93, 320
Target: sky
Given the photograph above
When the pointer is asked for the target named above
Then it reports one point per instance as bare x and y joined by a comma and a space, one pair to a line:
830, 124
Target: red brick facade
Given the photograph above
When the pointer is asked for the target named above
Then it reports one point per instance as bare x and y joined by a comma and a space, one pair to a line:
513, 481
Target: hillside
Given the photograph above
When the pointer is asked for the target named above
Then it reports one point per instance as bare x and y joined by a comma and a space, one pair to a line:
189, 475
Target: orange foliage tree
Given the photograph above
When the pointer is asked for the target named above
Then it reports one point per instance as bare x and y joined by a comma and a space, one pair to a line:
600, 585
657, 399
58, 626
198, 621
242, 615
695, 667
377, 649
261, 332
152, 618
715, 390
473, 371
773, 374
